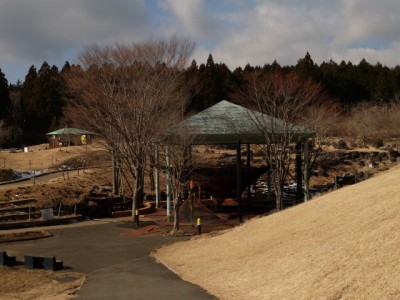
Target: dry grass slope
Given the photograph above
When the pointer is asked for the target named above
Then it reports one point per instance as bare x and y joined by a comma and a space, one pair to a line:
344, 245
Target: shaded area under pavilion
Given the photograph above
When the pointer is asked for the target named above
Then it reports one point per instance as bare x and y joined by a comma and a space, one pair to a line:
228, 123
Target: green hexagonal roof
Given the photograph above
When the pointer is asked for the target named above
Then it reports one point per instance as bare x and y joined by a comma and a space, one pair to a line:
226, 123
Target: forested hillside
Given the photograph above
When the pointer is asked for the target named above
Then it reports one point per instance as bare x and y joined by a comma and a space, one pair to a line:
31, 108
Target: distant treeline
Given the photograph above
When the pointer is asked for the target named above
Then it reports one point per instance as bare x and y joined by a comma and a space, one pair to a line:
31, 108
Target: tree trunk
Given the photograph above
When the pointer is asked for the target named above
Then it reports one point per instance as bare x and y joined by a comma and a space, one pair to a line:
176, 212
279, 197
299, 172
151, 173
140, 188
278, 190
137, 197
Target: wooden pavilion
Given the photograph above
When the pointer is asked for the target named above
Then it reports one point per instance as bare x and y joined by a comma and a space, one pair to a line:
229, 123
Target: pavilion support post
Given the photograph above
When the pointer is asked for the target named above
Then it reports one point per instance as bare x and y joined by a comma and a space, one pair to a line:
248, 159
299, 172
167, 160
306, 170
156, 176
239, 179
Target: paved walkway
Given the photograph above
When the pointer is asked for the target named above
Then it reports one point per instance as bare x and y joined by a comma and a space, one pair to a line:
117, 263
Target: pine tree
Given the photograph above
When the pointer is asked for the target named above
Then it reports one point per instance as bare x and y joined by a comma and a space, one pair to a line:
307, 69
212, 84
42, 101
4, 97
28, 100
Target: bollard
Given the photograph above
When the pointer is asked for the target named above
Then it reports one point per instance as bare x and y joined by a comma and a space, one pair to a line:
137, 217
198, 226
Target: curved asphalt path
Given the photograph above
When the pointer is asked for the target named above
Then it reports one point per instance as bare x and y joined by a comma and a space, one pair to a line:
44, 178
118, 264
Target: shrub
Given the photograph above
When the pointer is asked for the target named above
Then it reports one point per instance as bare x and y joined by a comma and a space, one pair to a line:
378, 143
341, 145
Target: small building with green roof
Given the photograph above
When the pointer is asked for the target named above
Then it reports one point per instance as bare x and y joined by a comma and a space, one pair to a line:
69, 137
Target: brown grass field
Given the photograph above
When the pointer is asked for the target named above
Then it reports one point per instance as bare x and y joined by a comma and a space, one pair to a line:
69, 188
18, 283
343, 245
39, 157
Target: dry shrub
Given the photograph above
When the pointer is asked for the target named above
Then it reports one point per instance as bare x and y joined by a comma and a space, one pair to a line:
374, 123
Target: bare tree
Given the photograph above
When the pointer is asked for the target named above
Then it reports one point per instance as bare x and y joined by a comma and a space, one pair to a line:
370, 122
180, 164
16, 114
322, 118
287, 101
127, 93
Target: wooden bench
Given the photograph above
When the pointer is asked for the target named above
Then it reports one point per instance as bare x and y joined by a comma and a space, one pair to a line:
42, 262
6, 260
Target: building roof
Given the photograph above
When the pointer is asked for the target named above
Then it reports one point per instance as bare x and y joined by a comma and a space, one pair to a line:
69, 131
226, 123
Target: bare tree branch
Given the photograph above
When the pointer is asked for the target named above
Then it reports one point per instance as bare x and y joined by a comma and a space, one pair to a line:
127, 93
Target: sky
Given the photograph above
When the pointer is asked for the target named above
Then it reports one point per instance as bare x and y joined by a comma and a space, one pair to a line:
235, 32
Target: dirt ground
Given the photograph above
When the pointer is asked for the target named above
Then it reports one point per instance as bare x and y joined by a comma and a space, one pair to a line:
22, 236
20, 284
342, 245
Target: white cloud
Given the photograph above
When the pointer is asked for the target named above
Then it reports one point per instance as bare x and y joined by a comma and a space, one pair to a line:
194, 18
286, 30
236, 32
364, 20
44, 29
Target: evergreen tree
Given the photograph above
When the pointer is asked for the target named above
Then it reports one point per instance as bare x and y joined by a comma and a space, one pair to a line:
383, 89
42, 101
211, 84
16, 122
4, 97
28, 99
307, 69
66, 67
